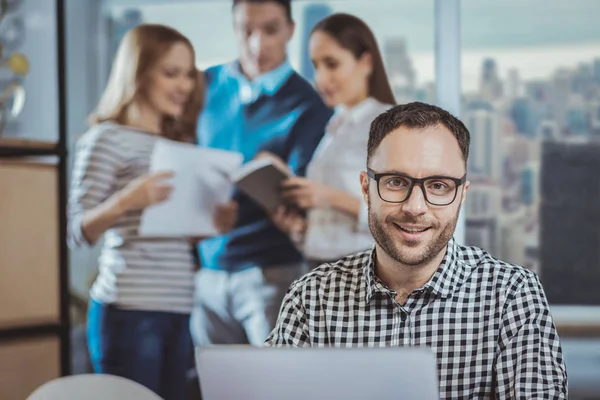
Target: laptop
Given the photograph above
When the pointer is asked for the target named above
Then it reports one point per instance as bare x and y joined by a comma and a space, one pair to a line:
260, 373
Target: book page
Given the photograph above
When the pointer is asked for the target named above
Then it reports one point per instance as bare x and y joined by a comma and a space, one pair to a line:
200, 183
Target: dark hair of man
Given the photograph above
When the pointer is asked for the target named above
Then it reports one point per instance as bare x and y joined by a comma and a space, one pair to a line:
286, 4
416, 115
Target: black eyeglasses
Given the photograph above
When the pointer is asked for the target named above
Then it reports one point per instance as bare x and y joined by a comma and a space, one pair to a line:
397, 188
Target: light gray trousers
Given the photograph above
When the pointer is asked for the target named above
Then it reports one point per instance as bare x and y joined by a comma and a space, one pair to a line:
239, 307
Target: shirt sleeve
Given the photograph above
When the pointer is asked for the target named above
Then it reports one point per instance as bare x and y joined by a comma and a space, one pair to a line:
97, 161
291, 329
530, 362
306, 134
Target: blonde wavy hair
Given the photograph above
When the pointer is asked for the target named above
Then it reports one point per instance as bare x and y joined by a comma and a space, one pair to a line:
139, 52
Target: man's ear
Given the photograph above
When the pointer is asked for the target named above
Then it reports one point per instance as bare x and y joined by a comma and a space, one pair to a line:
291, 31
364, 185
464, 192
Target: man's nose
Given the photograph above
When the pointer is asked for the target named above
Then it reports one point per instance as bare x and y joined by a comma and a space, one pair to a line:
416, 203
256, 42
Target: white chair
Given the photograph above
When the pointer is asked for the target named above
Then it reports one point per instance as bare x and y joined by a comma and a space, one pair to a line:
93, 387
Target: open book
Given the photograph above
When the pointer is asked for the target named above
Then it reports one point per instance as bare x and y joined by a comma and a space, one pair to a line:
261, 180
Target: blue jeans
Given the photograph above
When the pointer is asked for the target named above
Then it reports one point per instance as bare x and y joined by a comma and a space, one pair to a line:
149, 347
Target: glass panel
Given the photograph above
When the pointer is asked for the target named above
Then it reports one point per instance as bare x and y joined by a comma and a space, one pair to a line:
531, 98
28, 73
403, 28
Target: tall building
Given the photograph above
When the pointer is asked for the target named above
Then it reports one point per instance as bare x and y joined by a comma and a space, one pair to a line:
539, 91
513, 84
526, 115
481, 216
548, 130
560, 96
399, 68
596, 70
530, 181
312, 14
594, 113
485, 156
570, 222
484, 203
490, 85
517, 154
532, 249
576, 118
511, 236
583, 82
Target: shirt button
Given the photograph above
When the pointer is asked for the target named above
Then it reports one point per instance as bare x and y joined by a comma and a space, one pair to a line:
403, 317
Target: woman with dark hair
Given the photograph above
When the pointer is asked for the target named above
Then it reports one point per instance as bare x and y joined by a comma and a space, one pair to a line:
351, 77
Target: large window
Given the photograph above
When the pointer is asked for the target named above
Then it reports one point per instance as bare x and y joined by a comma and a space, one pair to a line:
531, 98
530, 75
404, 30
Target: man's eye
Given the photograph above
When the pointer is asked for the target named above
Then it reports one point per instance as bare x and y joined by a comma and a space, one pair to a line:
396, 183
271, 30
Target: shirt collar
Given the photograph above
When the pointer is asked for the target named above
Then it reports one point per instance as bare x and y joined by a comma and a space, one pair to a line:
357, 113
267, 83
374, 285
451, 273
354, 115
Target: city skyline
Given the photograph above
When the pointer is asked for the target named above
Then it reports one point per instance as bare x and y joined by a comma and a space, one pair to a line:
527, 45
537, 23
535, 146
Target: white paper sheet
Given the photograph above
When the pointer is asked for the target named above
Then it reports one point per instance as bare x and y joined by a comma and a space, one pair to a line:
199, 184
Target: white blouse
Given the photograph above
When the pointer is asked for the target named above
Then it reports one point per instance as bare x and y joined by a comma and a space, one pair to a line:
337, 162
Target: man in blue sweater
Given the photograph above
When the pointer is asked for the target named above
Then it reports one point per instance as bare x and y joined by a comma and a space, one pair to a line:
257, 103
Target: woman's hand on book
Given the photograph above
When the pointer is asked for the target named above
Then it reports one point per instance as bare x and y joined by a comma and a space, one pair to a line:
291, 222
306, 193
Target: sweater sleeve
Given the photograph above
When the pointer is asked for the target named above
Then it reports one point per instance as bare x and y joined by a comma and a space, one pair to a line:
305, 136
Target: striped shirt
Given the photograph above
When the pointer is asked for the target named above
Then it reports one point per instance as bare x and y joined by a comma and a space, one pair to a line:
134, 272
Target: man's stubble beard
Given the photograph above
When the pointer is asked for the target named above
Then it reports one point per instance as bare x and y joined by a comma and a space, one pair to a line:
403, 255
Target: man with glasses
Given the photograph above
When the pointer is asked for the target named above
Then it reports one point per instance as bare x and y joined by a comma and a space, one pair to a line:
487, 321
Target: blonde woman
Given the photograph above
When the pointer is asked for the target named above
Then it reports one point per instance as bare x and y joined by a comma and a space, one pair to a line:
138, 322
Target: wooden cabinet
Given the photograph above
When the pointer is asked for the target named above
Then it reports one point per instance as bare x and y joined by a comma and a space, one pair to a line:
26, 364
29, 244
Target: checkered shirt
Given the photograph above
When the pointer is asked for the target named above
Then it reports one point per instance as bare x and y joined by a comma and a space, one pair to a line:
487, 321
